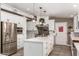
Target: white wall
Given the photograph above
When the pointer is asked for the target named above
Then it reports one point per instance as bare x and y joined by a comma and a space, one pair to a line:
20, 21
31, 25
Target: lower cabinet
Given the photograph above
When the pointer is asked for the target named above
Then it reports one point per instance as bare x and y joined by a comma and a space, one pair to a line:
77, 53
36, 47
47, 48
74, 51
76, 23
20, 42
0, 48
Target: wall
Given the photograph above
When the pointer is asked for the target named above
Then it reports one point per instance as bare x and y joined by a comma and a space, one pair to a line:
31, 26
69, 21
20, 21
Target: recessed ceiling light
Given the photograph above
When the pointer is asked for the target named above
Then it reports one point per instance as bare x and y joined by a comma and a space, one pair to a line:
27, 9
75, 5
33, 20
71, 15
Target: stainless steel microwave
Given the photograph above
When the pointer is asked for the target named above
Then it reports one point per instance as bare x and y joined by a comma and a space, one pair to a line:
19, 30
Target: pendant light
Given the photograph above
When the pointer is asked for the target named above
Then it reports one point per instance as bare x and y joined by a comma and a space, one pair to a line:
34, 17
40, 10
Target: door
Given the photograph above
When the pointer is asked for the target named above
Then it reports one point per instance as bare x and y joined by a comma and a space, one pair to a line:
61, 33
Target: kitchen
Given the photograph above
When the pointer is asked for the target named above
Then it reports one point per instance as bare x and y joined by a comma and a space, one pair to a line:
40, 29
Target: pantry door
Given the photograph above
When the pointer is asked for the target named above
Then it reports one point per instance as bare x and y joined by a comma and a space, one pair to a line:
61, 33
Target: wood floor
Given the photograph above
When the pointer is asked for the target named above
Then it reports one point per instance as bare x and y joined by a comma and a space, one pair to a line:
20, 52
59, 50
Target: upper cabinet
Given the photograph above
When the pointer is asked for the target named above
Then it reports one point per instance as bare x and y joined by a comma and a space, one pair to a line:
51, 24
76, 23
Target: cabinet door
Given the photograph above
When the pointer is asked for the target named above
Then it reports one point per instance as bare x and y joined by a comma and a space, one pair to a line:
76, 23
0, 48
51, 24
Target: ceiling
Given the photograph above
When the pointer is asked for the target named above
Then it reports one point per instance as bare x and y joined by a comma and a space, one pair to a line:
66, 10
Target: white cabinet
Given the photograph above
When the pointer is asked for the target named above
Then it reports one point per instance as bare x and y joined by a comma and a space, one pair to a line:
77, 48
76, 23
48, 46
41, 46
51, 24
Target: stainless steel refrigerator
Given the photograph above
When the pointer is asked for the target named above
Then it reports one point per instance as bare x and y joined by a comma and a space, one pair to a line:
8, 38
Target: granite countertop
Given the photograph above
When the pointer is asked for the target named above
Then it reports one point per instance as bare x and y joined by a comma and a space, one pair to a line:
37, 39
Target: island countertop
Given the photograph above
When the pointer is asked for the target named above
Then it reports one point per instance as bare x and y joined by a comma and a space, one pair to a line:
40, 39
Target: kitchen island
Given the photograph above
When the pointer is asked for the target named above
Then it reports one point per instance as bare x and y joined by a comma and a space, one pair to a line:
39, 46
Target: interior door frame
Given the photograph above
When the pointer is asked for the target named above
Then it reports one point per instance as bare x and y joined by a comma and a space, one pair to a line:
56, 33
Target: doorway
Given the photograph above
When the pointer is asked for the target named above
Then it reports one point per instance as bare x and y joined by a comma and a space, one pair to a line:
61, 33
